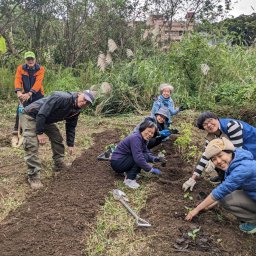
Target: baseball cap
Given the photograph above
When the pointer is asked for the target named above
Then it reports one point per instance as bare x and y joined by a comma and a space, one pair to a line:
29, 54
88, 95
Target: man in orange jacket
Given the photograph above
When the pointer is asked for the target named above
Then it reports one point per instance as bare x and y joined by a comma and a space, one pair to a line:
28, 85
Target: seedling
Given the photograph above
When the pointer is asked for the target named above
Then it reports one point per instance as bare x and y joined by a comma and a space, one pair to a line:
189, 209
110, 147
162, 153
193, 233
188, 196
109, 150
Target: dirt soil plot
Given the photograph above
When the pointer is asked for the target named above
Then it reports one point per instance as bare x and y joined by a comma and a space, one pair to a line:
167, 207
56, 220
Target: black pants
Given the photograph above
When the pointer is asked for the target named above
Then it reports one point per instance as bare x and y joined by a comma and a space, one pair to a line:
154, 142
127, 164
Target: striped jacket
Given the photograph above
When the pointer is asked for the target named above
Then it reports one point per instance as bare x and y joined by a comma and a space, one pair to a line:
240, 133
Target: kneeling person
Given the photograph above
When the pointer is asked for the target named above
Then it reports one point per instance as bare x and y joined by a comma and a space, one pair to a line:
131, 155
162, 132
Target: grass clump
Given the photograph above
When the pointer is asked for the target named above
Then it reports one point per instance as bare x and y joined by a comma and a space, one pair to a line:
114, 233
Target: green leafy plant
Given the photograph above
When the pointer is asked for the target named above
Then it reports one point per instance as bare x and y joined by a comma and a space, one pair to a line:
161, 153
193, 233
110, 147
189, 209
188, 196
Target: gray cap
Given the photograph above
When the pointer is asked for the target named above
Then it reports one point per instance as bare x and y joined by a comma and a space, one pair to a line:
88, 95
162, 111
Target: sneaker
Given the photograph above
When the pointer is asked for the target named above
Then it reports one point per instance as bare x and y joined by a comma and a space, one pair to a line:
35, 183
215, 180
248, 228
131, 183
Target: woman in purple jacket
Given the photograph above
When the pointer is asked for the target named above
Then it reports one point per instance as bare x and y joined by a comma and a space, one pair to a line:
237, 193
131, 155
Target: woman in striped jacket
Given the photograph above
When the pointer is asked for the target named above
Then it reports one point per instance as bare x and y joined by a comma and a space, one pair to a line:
240, 133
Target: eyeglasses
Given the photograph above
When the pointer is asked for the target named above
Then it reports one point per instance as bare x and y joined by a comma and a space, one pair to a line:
29, 58
208, 121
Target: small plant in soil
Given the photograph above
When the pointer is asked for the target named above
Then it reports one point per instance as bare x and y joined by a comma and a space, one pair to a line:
193, 233
162, 155
189, 209
188, 196
109, 149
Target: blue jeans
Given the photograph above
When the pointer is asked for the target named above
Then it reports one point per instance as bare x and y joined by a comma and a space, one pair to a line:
127, 164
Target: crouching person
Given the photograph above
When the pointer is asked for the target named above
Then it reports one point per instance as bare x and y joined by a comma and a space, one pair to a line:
38, 121
131, 155
237, 193
162, 132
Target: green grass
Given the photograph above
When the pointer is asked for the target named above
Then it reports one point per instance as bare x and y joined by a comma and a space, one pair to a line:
114, 233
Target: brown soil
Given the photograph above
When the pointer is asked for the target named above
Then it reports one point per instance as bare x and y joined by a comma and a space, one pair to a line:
56, 220
167, 207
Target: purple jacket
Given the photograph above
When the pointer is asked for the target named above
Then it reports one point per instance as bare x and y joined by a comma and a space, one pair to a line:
136, 146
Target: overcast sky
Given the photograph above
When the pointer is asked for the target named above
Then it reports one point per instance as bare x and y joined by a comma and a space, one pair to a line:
243, 7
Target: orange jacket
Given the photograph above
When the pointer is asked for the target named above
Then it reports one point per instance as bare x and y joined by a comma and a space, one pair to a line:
30, 80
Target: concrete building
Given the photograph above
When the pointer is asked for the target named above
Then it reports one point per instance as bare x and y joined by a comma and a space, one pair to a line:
167, 31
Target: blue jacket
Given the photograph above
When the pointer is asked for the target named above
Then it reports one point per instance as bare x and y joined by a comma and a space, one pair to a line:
136, 146
57, 107
241, 174
163, 102
249, 134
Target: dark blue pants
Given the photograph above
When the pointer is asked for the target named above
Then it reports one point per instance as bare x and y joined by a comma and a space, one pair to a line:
127, 164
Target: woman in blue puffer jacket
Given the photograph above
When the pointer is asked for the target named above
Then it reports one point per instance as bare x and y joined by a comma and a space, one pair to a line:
237, 193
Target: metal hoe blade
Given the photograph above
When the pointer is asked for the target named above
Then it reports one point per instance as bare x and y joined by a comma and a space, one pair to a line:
121, 196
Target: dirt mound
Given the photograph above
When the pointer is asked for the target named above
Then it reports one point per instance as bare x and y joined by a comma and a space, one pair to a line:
55, 221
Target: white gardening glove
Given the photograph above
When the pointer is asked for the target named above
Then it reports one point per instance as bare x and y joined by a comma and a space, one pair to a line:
189, 184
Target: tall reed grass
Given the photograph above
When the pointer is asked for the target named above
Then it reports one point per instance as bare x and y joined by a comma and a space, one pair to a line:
230, 79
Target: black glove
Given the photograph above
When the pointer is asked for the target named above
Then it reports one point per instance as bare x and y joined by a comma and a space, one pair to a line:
174, 131
182, 108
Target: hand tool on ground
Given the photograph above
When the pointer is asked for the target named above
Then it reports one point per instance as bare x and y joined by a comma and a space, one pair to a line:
121, 196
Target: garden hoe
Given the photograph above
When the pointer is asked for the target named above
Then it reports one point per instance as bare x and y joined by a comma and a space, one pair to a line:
121, 196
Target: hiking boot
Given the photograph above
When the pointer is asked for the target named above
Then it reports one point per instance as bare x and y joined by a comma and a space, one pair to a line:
216, 180
248, 228
131, 183
35, 183
59, 166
